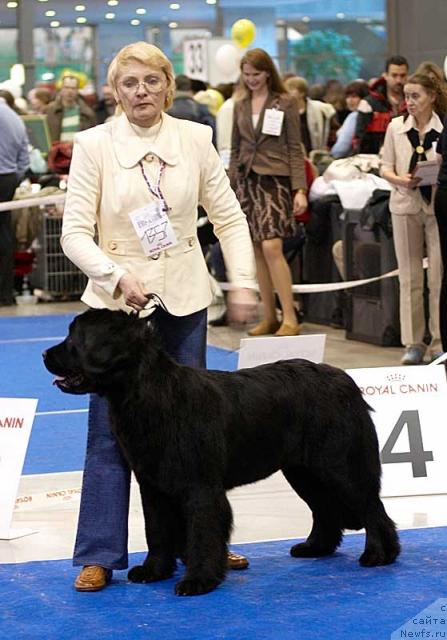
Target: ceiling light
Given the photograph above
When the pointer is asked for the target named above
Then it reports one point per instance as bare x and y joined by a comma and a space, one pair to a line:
12, 5
305, 19
174, 6
50, 13
340, 15
80, 7
173, 25
55, 23
109, 16
135, 22
211, 1
112, 3
81, 20
141, 11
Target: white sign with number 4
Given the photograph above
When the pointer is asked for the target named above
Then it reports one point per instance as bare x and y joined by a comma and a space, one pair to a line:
410, 414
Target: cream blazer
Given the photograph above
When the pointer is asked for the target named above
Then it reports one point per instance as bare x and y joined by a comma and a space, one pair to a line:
105, 184
396, 156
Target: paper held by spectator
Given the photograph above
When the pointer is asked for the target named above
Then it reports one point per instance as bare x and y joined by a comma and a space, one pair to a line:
427, 172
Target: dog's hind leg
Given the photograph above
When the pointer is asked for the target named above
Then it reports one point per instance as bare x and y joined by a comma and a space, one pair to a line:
382, 542
326, 533
163, 526
209, 520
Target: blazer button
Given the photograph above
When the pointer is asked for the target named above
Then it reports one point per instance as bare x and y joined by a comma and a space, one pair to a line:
113, 246
149, 158
191, 242
155, 256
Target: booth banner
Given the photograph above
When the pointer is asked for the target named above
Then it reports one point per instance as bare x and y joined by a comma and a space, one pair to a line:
195, 59
212, 60
256, 351
16, 420
409, 406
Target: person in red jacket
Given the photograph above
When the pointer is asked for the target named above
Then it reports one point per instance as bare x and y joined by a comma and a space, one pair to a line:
385, 100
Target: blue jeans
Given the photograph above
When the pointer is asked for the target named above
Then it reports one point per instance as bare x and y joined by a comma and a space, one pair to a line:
103, 519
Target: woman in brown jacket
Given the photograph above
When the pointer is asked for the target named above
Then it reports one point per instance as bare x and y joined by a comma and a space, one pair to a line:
267, 172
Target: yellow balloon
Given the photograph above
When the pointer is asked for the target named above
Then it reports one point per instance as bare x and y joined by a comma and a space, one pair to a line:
212, 98
243, 32
216, 100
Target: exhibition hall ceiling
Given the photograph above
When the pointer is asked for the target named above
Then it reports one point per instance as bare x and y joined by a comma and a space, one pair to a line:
186, 13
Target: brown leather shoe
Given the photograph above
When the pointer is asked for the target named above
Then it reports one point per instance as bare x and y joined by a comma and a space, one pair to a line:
288, 330
93, 578
236, 561
264, 328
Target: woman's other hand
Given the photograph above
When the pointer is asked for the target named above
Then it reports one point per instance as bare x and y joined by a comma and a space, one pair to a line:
300, 203
408, 181
242, 306
132, 292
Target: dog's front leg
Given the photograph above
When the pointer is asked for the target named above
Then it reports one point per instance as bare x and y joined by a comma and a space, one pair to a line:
208, 521
162, 527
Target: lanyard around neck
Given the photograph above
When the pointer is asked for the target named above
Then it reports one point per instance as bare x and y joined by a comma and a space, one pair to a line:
155, 189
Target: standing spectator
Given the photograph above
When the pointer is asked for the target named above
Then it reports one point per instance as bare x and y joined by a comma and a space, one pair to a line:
38, 99
336, 96
69, 113
344, 146
185, 107
14, 161
105, 107
409, 139
317, 119
267, 169
385, 100
441, 217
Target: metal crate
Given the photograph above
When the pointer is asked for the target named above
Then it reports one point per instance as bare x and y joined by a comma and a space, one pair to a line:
53, 272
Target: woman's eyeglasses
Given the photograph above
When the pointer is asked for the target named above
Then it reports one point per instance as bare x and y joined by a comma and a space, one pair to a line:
152, 84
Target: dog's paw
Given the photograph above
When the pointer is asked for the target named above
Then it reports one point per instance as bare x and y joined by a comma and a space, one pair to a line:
376, 558
309, 550
195, 586
149, 572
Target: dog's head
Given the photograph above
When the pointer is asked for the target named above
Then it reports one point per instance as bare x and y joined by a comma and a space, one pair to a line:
101, 350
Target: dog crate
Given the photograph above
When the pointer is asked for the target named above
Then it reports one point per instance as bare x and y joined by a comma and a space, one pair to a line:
323, 230
372, 309
53, 273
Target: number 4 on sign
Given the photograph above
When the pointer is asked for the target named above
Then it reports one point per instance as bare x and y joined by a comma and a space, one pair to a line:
416, 455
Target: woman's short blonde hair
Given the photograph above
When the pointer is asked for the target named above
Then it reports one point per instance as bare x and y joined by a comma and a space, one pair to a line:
296, 83
147, 54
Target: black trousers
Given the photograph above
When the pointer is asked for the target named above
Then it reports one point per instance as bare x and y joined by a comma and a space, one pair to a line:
8, 184
441, 217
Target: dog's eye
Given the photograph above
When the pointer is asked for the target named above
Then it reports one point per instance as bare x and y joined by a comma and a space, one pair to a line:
71, 348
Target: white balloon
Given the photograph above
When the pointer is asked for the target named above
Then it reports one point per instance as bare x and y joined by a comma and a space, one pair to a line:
228, 58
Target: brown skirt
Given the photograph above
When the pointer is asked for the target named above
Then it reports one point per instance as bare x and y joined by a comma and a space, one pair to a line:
267, 203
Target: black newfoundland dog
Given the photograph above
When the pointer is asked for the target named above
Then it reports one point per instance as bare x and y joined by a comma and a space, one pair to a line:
190, 435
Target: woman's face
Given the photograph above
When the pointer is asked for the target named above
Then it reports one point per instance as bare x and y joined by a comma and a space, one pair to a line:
419, 101
141, 92
254, 79
352, 101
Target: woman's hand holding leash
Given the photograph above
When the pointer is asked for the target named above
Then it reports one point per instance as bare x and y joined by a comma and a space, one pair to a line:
132, 292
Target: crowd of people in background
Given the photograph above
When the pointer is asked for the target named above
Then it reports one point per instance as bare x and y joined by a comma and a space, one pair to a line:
334, 119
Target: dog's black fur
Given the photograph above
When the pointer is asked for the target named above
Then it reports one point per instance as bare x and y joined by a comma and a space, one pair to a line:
190, 435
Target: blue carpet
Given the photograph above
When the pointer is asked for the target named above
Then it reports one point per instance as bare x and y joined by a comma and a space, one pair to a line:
22, 375
278, 598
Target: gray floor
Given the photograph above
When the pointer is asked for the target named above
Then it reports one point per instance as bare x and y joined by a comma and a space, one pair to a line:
266, 510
